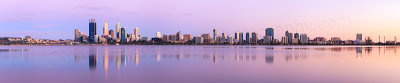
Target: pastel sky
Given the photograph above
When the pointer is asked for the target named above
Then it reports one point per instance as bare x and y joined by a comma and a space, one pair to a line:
57, 19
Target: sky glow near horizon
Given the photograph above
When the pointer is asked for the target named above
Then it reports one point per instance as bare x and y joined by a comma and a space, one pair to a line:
57, 19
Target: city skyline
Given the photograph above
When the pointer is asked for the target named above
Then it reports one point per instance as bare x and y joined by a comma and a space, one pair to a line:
372, 18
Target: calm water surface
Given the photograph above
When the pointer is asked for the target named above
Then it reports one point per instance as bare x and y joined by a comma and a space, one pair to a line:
199, 64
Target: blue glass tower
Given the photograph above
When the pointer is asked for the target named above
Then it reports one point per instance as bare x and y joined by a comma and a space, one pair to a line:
92, 30
269, 32
123, 34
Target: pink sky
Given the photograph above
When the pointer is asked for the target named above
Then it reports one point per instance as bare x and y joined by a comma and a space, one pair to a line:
327, 18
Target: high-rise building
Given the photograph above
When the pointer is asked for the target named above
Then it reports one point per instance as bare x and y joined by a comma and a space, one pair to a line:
269, 32
254, 37
359, 39
359, 36
158, 35
105, 28
247, 37
77, 35
198, 39
206, 37
240, 37
111, 32
296, 35
215, 35
285, 40
178, 36
136, 32
229, 39
123, 35
92, 30
303, 39
118, 31
236, 35
289, 36
223, 39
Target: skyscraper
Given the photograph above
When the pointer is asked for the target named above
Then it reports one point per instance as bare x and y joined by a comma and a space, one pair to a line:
178, 36
123, 34
118, 31
158, 35
92, 30
105, 28
289, 36
296, 35
236, 35
77, 35
247, 37
359, 36
254, 37
296, 38
136, 32
269, 32
240, 37
215, 35
223, 39
303, 39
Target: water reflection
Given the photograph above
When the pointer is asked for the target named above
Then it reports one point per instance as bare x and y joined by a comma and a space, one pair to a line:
92, 58
121, 62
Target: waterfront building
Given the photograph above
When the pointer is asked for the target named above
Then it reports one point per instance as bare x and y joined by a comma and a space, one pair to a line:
289, 36
247, 37
320, 40
172, 38
187, 37
359, 39
198, 39
207, 38
215, 34
236, 35
304, 39
165, 38
254, 37
136, 32
336, 40
77, 35
158, 35
285, 40
123, 35
241, 37
178, 36
268, 39
269, 32
92, 30
229, 39
118, 31
223, 39
295, 41
111, 32
105, 28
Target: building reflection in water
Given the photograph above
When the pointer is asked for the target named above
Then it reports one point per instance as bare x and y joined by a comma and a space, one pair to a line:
158, 56
92, 58
106, 61
137, 57
359, 53
121, 55
269, 59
